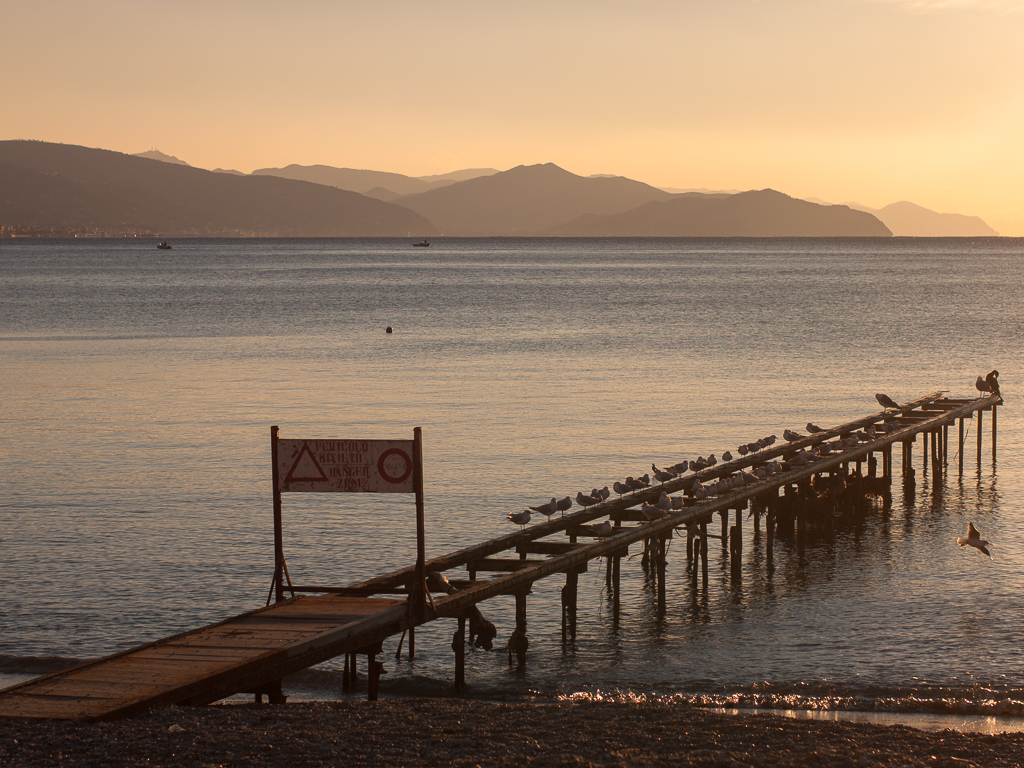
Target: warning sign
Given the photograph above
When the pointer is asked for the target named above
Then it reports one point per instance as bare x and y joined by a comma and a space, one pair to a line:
353, 466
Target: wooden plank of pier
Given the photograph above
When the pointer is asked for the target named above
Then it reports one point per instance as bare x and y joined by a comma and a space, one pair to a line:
244, 653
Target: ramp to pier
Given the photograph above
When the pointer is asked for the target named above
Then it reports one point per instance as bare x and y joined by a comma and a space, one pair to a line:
247, 653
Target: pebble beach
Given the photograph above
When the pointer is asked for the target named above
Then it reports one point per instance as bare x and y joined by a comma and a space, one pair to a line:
430, 732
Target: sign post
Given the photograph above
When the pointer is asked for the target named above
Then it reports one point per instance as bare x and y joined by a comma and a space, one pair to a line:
348, 466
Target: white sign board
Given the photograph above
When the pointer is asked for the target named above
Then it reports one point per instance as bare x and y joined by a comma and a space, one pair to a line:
353, 466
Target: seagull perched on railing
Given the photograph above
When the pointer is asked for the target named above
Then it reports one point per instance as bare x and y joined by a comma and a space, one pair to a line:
885, 401
564, 505
546, 509
790, 435
586, 501
520, 518
812, 428
974, 539
993, 382
621, 488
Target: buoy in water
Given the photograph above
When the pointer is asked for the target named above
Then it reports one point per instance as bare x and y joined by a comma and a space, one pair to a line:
388, 330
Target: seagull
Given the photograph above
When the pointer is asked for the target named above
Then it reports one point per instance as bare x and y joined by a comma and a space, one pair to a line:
742, 450
662, 476
547, 509
520, 518
974, 539
586, 501
982, 385
651, 511
602, 529
993, 382
564, 505
727, 456
812, 428
885, 401
604, 493
790, 435
621, 488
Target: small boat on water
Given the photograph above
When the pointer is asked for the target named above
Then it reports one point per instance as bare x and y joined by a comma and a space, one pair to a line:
164, 246
422, 244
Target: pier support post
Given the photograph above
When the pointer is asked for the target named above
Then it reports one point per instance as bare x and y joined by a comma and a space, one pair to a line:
374, 669
704, 553
660, 569
980, 417
908, 462
569, 598
518, 643
993, 434
350, 674
459, 647
960, 450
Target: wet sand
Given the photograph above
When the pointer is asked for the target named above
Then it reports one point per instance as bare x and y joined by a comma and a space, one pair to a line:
460, 732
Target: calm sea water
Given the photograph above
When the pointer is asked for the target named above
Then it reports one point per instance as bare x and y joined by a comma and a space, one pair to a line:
139, 387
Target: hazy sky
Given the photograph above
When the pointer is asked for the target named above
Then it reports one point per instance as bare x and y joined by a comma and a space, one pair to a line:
872, 101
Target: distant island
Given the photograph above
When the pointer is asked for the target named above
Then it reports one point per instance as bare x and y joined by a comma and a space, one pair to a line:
64, 190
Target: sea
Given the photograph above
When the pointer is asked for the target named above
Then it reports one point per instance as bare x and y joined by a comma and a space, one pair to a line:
139, 388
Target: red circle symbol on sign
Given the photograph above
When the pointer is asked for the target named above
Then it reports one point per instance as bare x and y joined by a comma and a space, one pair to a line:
383, 471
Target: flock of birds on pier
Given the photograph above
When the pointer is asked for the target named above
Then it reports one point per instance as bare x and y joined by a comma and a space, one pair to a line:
737, 478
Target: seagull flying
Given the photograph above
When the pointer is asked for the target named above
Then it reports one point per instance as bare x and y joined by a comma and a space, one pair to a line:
974, 539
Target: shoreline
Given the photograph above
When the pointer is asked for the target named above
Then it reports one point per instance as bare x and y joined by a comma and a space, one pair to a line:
413, 732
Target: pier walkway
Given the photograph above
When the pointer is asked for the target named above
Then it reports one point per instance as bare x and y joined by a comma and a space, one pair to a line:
250, 653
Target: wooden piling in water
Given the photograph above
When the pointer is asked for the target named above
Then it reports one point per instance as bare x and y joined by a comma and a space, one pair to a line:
994, 409
960, 450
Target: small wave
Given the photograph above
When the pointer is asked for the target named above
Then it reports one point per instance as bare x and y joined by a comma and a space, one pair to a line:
34, 665
976, 702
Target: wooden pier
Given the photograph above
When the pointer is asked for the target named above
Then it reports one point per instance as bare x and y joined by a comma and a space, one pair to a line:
251, 653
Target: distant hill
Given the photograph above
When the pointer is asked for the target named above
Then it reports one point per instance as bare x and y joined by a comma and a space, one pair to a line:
764, 213
464, 175
69, 187
156, 154
379, 184
911, 220
526, 200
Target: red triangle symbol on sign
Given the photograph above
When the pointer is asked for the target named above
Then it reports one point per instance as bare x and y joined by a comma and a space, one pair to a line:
305, 468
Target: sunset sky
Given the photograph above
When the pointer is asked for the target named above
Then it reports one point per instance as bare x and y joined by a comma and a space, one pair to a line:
872, 101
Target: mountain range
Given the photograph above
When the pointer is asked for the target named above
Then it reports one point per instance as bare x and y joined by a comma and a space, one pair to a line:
60, 188
63, 188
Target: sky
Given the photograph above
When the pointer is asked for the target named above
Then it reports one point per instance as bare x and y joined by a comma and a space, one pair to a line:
867, 101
